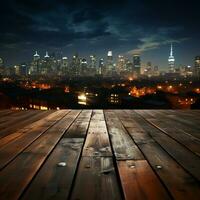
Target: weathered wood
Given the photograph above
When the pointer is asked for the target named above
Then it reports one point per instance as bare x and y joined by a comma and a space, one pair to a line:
96, 180
33, 123
123, 146
18, 118
18, 174
170, 128
97, 141
98, 115
187, 125
5, 113
189, 161
15, 125
179, 182
80, 125
10, 150
53, 180
140, 182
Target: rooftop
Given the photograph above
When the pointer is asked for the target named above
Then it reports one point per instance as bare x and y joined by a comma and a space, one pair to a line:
99, 154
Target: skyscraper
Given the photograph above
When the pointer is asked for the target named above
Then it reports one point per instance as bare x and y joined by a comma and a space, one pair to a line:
84, 67
136, 65
197, 67
120, 64
171, 61
109, 66
36, 56
64, 66
35, 65
1, 67
92, 66
101, 69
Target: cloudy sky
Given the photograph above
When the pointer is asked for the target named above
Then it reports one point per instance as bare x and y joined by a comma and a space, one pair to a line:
96, 26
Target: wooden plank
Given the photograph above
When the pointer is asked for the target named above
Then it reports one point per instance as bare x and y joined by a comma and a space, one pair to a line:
18, 174
33, 122
179, 183
17, 117
97, 141
20, 122
172, 129
96, 180
123, 146
187, 125
5, 113
98, 115
10, 150
79, 127
140, 182
54, 181
189, 161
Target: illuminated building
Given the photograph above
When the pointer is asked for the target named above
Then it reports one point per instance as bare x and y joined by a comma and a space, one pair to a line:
148, 70
101, 69
1, 67
109, 66
46, 65
156, 71
129, 68
84, 67
136, 65
120, 67
17, 70
47, 55
23, 69
171, 61
92, 66
64, 66
197, 67
36, 56
75, 66
35, 65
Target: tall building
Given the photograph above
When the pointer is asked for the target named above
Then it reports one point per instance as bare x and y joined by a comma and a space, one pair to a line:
64, 66
136, 65
148, 69
36, 56
92, 66
120, 64
101, 69
197, 67
35, 65
75, 66
171, 61
109, 65
84, 67
1, 67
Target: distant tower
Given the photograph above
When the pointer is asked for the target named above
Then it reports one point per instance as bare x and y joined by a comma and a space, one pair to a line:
47, 55
136, 65
36, 56
197, 67
110, 66
171, 61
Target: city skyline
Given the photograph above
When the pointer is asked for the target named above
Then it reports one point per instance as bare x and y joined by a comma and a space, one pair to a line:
104, 57
94, 27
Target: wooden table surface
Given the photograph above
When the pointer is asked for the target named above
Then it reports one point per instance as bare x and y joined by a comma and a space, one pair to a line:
100, 154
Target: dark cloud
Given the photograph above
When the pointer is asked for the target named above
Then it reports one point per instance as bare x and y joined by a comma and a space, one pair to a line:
131, 25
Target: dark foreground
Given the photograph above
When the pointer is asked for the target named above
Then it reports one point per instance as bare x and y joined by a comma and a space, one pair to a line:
96, 154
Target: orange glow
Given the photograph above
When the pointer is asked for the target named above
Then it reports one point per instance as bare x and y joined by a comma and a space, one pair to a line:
197, 90
135, 92
66, 90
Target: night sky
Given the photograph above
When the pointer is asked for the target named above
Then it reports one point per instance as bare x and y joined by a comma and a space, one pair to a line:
94, 27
